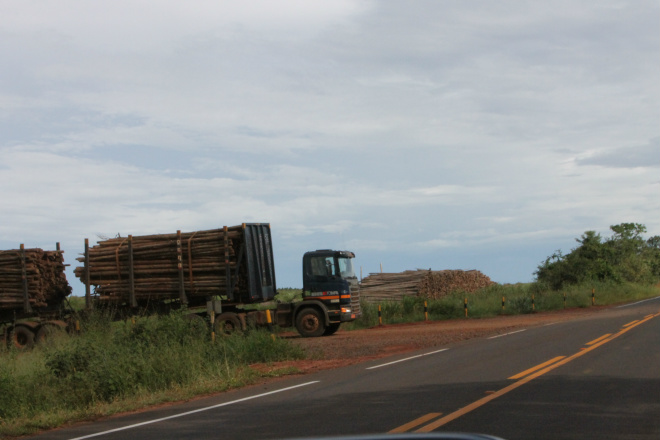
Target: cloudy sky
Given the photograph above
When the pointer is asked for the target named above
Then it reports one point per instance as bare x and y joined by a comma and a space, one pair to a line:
418, 134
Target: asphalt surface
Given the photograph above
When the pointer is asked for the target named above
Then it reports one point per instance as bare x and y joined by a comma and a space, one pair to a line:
591, 378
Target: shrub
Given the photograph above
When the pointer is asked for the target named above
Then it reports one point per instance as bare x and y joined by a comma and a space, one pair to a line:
624, 257
112, 362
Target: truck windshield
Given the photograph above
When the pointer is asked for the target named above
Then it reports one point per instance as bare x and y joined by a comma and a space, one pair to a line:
346, 267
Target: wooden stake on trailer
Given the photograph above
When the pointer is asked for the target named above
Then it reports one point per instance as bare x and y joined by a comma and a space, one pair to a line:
227, 268
26, 294
191, 277
131, 273
88, 295
179, 256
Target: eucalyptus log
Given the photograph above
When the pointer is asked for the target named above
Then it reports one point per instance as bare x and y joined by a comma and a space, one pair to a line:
45, 279
160, 266
422, 283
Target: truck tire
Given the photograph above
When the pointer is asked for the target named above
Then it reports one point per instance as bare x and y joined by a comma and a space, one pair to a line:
228, 323
331, 329
309, 323
21, 337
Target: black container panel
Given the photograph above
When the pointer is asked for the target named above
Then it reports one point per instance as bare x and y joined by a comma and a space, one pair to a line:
260, 264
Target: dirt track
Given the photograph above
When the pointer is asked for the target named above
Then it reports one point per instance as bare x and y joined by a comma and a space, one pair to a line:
351, 347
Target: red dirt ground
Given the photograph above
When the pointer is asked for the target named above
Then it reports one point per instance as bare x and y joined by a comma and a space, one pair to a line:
351, 347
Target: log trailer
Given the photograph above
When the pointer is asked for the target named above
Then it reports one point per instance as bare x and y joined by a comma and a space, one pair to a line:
225, 277
33, 295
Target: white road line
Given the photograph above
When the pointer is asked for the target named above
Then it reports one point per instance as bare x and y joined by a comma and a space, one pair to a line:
638, 302
407, 359
148, 422
507, 334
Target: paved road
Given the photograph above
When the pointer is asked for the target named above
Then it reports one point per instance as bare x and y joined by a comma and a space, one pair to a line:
592, 378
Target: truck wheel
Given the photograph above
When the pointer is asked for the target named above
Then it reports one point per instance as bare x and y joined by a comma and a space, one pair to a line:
227, 323
309, 323
331, 329
21, 337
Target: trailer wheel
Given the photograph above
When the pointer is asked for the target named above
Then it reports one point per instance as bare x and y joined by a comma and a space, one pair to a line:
197, 323
331, 329
21, 337
227, 323
47, 331
309, 323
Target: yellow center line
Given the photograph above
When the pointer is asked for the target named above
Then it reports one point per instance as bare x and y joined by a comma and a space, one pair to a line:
538, 367
599, 339
466, 409
415, 423
630, 323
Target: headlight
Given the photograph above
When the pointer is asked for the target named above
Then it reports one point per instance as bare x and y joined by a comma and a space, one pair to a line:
346, 310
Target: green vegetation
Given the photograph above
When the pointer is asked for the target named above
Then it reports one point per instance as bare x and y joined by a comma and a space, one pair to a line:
624, 257
518, 299
76, 302
288, 295
112, 367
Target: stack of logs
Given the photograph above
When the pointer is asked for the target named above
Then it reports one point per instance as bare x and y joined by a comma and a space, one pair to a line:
420, 283
45, 280
163, 266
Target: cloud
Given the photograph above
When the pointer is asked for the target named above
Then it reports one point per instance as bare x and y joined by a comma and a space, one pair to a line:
140, 24
488, 237
642, 156
414, 132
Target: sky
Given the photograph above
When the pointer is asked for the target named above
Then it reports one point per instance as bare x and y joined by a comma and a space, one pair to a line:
418, 134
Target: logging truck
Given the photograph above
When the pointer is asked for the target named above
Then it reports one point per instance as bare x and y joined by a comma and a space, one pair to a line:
222, 277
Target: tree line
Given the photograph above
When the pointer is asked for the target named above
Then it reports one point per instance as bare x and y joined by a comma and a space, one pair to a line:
626, 256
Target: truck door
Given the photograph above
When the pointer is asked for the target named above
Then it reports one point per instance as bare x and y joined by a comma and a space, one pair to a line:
321, 272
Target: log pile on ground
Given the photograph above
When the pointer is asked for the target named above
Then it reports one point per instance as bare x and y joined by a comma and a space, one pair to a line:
420, 283
391, 286
44, 275
156, 270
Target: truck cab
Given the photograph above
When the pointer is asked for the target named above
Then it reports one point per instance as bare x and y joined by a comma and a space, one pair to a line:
330, 292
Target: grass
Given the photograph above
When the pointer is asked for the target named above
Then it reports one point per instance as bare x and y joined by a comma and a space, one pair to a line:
518, 299
288, 295
121, 366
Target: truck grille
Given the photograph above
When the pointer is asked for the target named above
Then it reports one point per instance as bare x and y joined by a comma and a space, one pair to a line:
355, 297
